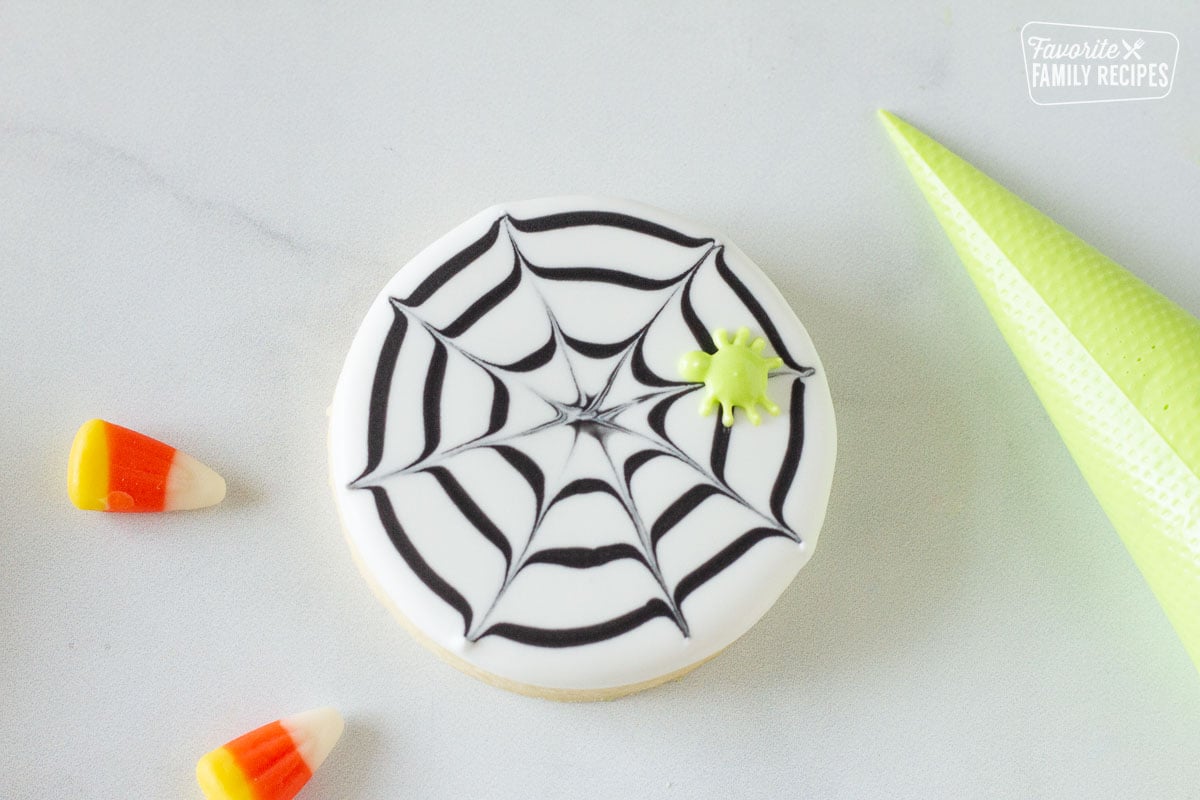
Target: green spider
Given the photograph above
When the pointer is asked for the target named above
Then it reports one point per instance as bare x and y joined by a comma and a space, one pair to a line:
736, 375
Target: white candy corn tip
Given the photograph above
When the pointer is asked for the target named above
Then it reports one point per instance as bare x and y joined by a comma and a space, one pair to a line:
192, 484
314, 733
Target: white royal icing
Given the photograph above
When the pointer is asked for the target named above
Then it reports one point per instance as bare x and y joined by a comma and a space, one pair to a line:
525, 476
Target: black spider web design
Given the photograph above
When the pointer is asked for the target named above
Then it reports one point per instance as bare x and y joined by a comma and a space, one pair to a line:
587, 415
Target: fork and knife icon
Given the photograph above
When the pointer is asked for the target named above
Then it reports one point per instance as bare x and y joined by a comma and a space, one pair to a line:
1132, 49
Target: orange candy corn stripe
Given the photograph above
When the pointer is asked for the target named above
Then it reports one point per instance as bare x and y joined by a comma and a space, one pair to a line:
268, 763
112, 468
273, 762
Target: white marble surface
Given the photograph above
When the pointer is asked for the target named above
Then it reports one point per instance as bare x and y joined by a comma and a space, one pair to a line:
197, 204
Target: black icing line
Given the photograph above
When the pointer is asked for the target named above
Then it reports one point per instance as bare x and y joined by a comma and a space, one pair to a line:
642, 372
499, 413
473, 513
675, 513
588, 634
657, 418
599, 350
575, 219
720, 449
528, 470
701, 334
722, 560
381, 389
492, 298
432, 403
615, 277
538, 358
757, 311
791, 456
586, 557
637, 461
412, 557
451, 267
583, 486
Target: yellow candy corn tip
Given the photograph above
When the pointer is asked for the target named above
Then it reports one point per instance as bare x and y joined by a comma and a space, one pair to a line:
87, 467
221, 778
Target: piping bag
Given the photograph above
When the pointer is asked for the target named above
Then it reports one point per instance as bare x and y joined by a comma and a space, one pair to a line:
1116, 364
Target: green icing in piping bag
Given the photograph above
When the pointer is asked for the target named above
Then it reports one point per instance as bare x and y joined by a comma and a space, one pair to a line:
1116, 364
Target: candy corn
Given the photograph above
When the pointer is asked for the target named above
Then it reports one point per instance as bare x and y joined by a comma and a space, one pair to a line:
272, 762
115, 469
1116, 364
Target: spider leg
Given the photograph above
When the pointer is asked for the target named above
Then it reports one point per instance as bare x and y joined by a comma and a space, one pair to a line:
707, 404
727, 416
758, 344
752, 414
721, 338
774, 363
742, 336
771, 407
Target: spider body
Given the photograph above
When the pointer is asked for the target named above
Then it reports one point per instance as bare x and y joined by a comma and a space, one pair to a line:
734, 377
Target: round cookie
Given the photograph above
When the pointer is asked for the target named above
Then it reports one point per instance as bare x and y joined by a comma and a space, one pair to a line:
521, 455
